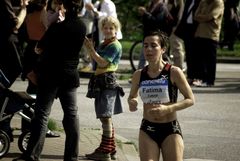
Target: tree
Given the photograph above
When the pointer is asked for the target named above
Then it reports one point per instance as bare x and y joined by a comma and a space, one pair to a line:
128, 15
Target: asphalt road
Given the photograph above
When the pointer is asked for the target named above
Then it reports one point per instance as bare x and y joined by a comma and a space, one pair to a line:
211, 128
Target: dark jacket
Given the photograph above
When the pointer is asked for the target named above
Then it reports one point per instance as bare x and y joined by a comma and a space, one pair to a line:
156, 19
61, 45
9, 50
8, 20
183, 30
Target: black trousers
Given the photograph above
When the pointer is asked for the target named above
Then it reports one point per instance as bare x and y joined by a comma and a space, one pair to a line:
205, 59
189, 49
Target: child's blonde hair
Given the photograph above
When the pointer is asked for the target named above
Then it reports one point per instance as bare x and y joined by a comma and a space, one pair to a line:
110, 19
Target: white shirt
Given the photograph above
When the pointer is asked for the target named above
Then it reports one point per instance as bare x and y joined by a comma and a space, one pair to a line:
108, 8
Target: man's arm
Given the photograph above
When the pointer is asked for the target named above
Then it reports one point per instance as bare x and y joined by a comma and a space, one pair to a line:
15, 21
22, 14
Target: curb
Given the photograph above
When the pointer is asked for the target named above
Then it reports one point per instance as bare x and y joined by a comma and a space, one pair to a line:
128, 148
231, 60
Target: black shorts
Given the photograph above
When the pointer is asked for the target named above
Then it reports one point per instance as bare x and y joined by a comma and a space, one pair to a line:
159, 131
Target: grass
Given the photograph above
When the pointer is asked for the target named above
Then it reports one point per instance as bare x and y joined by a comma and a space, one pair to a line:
226, 52
126, 48
220, 52
52, 125
125, 76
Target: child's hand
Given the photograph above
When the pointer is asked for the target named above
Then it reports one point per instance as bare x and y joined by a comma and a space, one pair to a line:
88, 44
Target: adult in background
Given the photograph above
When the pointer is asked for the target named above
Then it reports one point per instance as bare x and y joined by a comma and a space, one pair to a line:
231, 25
209, 15
186, 30
57, 77
10, 63
158, 84
36, 24
87, 17
10, 23
176, 7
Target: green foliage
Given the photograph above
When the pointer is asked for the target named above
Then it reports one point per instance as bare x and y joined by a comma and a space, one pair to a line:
220, 52
126, 47
128, 16
125, 74
225, 52
52, 125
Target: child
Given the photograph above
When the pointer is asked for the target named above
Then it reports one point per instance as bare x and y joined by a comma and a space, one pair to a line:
103, 86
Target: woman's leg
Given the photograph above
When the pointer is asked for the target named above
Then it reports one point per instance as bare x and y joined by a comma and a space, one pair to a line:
148, 148
172, 148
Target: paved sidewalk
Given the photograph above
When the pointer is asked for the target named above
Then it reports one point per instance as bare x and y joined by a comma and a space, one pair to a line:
89, 140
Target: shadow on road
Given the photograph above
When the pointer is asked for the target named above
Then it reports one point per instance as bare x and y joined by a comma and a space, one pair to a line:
223, 85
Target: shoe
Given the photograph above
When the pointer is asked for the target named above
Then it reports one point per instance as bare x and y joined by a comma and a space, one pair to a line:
97, 155
205, 84
51, 134
197, 83
113, 155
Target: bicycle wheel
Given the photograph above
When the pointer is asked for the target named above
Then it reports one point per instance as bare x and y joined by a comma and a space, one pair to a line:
23, 141
134, 54
4, 143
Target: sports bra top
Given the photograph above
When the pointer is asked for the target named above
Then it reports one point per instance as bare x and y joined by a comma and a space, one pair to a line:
159, 89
